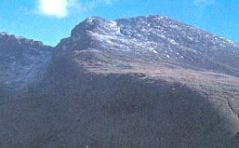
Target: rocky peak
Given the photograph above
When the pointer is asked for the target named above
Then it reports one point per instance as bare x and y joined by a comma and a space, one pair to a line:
94, 24
152, 39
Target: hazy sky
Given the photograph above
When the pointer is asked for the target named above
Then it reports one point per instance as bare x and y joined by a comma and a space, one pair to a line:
51, 20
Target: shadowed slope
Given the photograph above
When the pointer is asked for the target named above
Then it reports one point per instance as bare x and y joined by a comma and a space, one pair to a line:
113, 110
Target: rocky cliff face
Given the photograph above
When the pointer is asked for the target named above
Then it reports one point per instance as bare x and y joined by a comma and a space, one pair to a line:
22, 61
132, 83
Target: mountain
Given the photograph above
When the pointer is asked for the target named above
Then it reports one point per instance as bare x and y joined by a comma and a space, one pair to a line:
132, 83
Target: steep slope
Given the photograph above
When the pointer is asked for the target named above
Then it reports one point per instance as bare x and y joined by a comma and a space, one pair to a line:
22, 60
152, 39
132, 83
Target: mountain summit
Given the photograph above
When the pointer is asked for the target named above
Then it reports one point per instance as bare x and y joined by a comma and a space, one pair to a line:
132, 83
154, 39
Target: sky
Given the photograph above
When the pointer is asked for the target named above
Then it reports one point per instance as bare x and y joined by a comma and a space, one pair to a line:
51, 20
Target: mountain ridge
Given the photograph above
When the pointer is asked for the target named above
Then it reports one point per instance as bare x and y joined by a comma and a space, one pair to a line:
154, 36
21, 60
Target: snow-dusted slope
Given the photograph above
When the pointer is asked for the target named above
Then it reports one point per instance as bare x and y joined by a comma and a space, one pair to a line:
22, 60
152, 39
